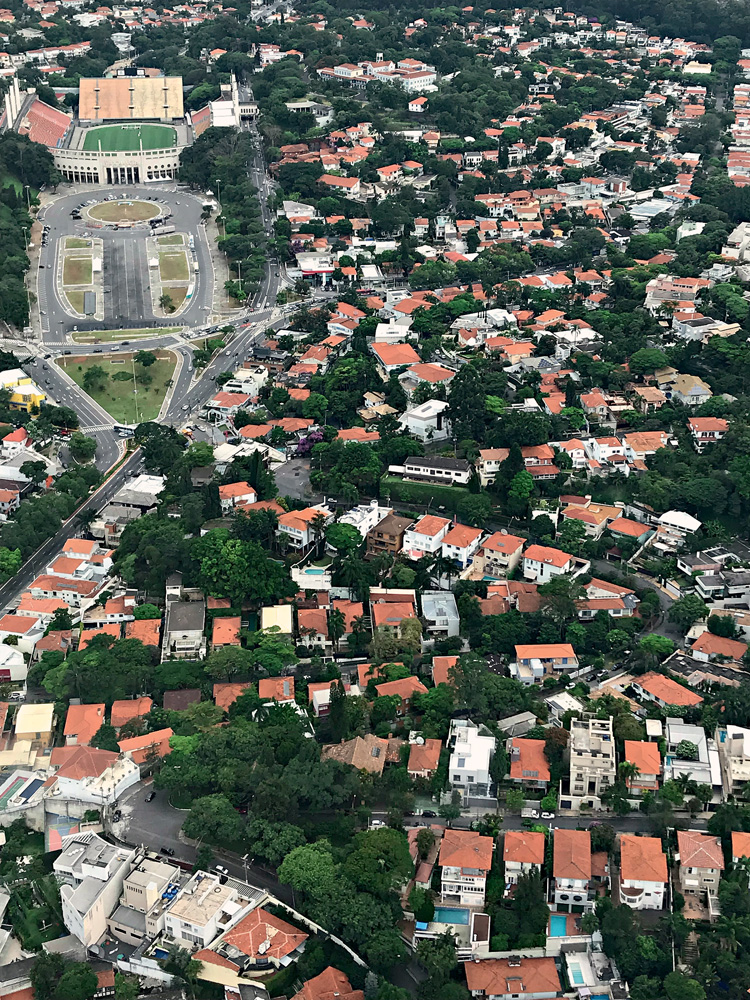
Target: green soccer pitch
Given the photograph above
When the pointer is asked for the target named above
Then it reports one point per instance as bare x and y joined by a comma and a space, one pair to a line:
118, 138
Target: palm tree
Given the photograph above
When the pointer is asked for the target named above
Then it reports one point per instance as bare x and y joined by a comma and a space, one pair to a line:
336, 626
729, 930
442, 567
317, 526
627, 771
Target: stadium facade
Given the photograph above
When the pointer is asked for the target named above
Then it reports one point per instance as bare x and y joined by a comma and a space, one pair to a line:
119, 136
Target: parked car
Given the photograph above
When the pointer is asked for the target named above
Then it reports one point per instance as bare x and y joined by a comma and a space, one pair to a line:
221, 869
548, 815
151, 796
166, 850
429, 813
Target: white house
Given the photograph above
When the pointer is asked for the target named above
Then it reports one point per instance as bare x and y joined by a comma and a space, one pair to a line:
542, 563
427, 421
465, 859
643, 872
571, 871
472, 748
461, 543
426, 536
523, 851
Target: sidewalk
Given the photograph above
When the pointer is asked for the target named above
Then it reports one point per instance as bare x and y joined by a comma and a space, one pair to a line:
223, 306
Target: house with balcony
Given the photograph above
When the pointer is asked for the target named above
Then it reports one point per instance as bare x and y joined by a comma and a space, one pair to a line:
740, 846
542, 563
646, 757
202, 910
523, 851
734, 754
706, 430
440, 613
498, 555
460, 544
643, 872
592, 762
299, 527
434, 469
571, 871
601, 595
489, 462
465, 860
704, 767
700, 861
428, 421
472, 749
425, 537
528, 765
535, 662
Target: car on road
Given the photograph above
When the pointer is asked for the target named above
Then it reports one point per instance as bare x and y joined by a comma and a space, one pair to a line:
221, 869
116, 816
429, 813
151, 796
376, 824
548, 815
166, 850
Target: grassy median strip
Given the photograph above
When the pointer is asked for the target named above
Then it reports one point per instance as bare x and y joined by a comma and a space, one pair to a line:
112, 383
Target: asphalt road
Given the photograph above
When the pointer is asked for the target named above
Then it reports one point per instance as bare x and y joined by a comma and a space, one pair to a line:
10, 591
127, 298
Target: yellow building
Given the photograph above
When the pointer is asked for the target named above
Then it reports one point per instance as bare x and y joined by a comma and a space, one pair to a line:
35, 723
25, 393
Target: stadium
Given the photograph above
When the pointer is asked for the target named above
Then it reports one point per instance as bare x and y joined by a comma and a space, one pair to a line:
131, 128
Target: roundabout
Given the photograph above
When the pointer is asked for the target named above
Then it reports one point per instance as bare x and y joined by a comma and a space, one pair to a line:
123, 211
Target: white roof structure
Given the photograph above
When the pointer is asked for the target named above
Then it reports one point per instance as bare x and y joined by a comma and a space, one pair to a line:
680, 520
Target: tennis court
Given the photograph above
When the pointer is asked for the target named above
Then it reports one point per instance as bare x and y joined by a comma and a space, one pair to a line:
10, 791
122, 138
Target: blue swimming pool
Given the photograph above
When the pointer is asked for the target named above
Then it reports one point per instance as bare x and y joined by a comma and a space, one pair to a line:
450, 915
160, 954
599, 996
558, 925
575, 973
313, 571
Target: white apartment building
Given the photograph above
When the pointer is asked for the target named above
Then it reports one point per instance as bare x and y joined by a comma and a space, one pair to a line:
472, 748
643, 872
593, 766
91, 873
734, 754
203, 909
465, 859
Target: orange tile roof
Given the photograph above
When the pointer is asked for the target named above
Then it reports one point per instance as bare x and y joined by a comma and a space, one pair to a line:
390, 613
226, 631
145, 629
424, 756
466, 849
430, 525
395, 354
227, 693
331, 984
667, 690
276, 689
140, 747
572, 854
524, 846
645, 756
544, 554
740, 844
717, 645
507, 544
109, 628
260, 926
84, 721
506, 977
530, 764
699, 850
126, 709
461, 536
81, 762
642, 859
546, 651
441, 667
405, 688
624, 526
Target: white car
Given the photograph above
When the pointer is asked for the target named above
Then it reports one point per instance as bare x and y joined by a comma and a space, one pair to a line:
221, 869
376, 824
548, 815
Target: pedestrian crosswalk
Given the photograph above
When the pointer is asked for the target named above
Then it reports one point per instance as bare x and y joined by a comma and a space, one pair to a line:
97, 427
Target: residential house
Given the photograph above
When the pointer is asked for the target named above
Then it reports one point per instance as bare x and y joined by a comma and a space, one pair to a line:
528, 764
601, 595
664, 691
364, 753
405, 688
461, 543
183, 630
643, 872
388, 535
312, 626
233, 494
523, 852
427, 422
34, 723
128, 709
646, 757
82, 723
200, 911
426, 536
571, 871
705, 768
91, 776
424, 757
465, 859
91, 873
706, 430
709, 647
225, 632
472, 749
440, 613
513, 978
259, 941
300, 527
542, 563
147, 749
331, 984
498, 555
535, 662
701, 861
734, 753
278, 689
592, 761
393, 357
444, 471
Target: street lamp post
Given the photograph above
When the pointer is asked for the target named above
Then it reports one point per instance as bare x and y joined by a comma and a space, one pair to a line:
26, 237
28, 198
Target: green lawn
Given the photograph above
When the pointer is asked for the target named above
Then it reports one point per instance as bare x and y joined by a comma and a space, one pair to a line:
173, 265
75, 297
117, 397
177, 294
77, 271
116, 138
76, 243
172, 240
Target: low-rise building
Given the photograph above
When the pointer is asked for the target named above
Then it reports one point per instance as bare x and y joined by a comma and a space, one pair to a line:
424, 757
643, 872
472, 749
465, 860
499, 554
734, 753
665, 691
440, 612
513, 978
528, 764
571, 871
427, 422
523, 851
542, 563
646, 758
535, 662
701, 861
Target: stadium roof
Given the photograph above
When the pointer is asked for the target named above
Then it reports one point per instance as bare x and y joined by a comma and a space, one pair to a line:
130, 98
